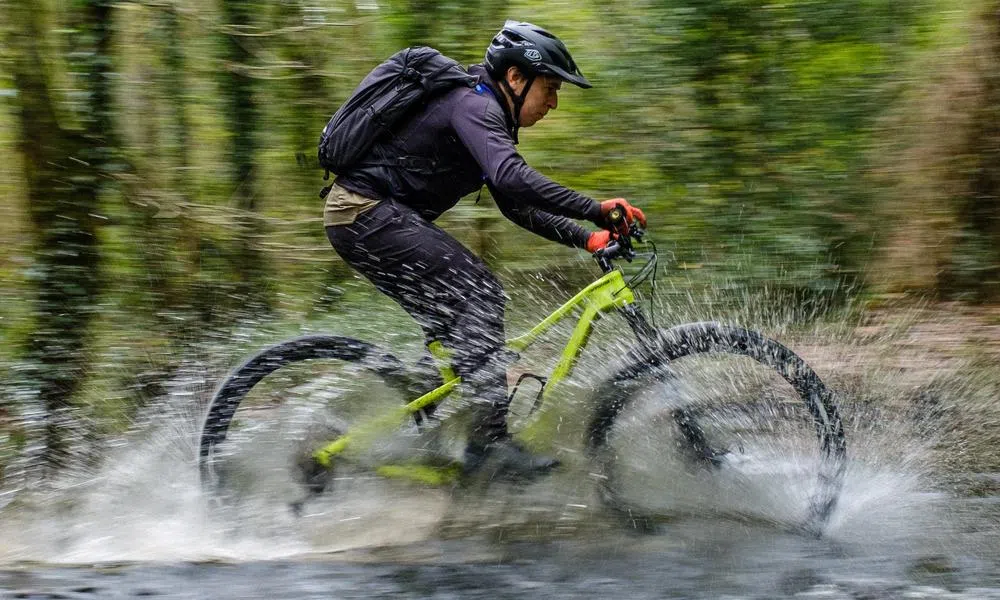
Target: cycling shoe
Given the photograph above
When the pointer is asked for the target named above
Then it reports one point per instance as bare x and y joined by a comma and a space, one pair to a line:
505, 459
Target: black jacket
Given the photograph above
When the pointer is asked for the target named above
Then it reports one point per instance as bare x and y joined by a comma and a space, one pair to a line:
462, 140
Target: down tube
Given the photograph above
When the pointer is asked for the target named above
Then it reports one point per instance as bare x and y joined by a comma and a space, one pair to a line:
606, 294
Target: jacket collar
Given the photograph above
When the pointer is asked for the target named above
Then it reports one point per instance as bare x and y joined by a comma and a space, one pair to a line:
479, 70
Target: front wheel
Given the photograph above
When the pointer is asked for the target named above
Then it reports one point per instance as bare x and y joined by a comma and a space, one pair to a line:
718, 411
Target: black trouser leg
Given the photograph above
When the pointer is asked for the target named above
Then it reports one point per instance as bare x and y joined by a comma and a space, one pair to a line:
447, 289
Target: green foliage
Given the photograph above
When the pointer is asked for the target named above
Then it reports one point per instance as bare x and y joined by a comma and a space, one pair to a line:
745, 129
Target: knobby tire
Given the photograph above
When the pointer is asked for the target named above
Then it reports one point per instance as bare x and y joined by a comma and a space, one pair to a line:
231, 392
708, 338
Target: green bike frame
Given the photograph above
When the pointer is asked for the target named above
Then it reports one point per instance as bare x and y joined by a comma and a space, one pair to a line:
608, 293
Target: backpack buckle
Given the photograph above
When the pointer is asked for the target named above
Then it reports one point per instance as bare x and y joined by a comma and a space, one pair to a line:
416, 163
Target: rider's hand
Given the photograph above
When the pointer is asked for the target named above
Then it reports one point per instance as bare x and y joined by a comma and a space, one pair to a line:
632, 214
598, 240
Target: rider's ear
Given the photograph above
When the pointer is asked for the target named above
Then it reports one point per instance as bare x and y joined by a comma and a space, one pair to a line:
515, 78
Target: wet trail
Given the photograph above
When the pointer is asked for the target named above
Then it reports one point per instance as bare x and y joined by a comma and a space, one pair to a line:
693, 559
919, 515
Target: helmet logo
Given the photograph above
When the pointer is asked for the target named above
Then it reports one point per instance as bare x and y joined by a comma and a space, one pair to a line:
533, 55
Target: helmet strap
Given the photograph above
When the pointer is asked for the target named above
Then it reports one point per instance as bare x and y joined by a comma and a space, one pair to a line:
517, 100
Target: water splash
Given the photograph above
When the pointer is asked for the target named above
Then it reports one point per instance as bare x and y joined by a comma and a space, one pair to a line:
908, 430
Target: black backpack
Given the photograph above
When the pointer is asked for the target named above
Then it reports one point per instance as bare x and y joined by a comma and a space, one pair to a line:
394, 90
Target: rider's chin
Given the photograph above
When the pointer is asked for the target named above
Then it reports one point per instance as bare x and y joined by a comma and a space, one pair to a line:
533, 119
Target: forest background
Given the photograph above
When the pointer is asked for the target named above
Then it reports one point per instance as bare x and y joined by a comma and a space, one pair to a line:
159, 181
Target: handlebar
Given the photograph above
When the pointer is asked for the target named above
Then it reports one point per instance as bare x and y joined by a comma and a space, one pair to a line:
620, 246
618, 249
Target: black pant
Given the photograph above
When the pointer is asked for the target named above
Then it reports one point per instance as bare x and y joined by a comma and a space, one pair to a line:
440, 283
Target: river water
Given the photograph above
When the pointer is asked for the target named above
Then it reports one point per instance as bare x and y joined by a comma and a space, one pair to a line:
140, 531
919, 517
690, 559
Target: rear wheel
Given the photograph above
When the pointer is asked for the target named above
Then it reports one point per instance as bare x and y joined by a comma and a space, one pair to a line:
269, 416
767, 429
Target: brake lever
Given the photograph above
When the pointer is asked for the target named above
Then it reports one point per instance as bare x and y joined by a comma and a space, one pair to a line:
623, 244
605, 255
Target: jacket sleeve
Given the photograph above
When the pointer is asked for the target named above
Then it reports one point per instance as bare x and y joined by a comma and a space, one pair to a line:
479, 123
549, 226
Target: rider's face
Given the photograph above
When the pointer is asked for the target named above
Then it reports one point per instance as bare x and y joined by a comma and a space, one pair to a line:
543, 95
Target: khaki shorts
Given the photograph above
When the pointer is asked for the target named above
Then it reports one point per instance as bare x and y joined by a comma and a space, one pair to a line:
343, 206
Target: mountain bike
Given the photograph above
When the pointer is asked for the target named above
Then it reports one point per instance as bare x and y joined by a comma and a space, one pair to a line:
317, 410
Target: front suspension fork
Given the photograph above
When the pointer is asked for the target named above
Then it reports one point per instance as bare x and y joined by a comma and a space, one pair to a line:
648, 336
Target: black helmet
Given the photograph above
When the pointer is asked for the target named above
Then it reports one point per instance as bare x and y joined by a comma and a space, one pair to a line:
534, 51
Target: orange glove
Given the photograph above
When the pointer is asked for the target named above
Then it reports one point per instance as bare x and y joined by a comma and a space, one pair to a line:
598, 240
632, 213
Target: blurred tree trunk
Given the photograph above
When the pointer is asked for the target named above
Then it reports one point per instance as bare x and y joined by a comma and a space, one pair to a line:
971, 173
63, 169
177, 91
981, 209
145, 202
312, 98
177, 97
986, 184
197, 294
170, 240
239, 86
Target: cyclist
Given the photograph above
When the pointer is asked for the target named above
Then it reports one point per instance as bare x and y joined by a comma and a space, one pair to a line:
379, 218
